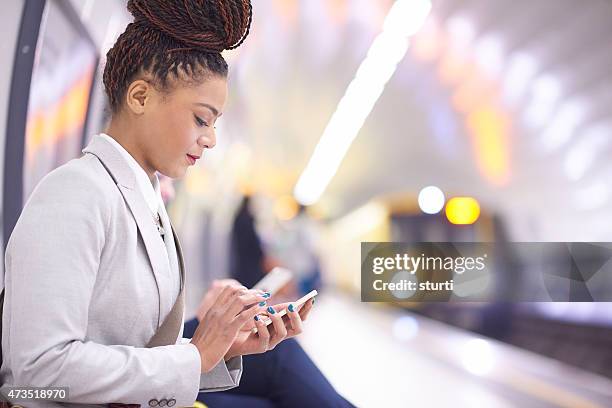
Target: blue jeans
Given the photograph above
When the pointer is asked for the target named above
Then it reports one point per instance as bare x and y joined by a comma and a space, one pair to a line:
281, 378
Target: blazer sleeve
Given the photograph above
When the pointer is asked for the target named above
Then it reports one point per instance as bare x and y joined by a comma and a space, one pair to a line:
223, 376
53, 258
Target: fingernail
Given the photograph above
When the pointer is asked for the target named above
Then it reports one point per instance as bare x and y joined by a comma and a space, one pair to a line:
291, 309
262, 303
271, 310
256, 318
266, 295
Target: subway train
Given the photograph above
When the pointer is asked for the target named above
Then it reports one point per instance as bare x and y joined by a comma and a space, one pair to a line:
352, 125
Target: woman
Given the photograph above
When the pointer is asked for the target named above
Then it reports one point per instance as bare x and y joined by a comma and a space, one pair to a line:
94, 274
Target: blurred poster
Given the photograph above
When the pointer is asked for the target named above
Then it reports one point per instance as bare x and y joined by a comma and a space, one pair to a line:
62, 76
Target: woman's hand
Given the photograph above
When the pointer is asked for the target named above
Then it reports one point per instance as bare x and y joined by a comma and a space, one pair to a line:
234, 307
267, 337
212, 294
211, 297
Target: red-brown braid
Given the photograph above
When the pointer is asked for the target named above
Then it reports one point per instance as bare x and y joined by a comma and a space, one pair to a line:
168, 35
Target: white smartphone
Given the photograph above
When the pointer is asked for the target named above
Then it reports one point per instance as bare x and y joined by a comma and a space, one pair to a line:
274, 280
283, 312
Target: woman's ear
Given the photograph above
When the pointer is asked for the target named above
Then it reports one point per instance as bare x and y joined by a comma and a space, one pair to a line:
137, 96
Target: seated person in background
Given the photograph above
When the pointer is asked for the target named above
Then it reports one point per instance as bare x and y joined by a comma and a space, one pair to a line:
283, 377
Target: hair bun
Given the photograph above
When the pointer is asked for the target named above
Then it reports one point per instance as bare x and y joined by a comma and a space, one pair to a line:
206, 24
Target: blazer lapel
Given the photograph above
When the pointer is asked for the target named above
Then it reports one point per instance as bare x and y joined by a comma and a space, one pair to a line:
171, 328
124, 178
155, 246
181, 263
179, 254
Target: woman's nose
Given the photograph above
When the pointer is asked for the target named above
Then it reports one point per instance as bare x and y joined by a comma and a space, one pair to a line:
208, 141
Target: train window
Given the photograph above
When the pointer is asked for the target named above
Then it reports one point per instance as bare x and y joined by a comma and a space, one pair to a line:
62, 77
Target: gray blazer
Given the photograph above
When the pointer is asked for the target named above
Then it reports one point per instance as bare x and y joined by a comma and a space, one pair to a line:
87, 285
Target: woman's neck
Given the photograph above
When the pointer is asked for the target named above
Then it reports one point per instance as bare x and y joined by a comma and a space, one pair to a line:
128, 139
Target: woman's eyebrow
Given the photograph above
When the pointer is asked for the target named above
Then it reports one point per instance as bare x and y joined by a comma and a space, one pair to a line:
212, 108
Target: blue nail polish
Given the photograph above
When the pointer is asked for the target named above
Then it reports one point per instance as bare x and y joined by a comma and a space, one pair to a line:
262, 303
271, 310
266, 295
291, 309
256, 318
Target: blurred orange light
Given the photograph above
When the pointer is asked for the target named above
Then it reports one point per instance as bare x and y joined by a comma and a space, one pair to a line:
472, 93
462, 210
337, 11
285, 208
489, 128
197, 181
47, 126
454, 67
287, 11
426, 44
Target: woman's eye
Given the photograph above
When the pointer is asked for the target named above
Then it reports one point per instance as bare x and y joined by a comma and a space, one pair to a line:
199, 121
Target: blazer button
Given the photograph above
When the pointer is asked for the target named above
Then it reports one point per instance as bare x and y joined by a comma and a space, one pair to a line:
153, 403
162, 402
171, 402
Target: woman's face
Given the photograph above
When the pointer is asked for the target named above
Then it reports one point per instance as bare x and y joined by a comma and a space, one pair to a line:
177, 126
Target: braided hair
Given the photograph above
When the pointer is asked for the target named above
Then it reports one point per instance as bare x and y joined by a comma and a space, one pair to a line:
174, 38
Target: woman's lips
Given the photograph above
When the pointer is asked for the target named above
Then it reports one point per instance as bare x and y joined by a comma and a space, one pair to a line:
192, 159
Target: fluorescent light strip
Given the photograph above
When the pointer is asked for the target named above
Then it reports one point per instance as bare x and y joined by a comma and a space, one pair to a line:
404, 19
